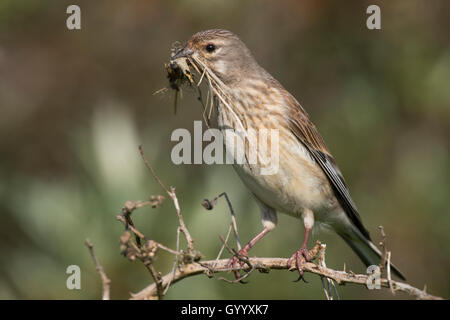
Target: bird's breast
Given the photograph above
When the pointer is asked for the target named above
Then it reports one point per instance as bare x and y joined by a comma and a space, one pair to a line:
292, 180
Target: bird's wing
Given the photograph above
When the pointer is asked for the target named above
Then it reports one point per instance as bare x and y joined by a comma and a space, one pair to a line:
309, 136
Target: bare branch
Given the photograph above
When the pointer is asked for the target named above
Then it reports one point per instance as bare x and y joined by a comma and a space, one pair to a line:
224, 243
330, 283
388, 259
265, 264
173, 196
189, 239
383, 245
149, 167
140, 235
175, 262
156, 278
105, 280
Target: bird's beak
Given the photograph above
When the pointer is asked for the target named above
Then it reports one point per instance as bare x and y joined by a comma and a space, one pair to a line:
183, 53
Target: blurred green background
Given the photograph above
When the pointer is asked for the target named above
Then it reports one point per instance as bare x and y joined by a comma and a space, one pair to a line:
75, 105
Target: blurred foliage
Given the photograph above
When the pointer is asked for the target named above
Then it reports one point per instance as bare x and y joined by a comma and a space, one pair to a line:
75, 105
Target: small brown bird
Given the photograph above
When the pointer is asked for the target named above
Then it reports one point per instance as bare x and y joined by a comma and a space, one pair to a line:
308, 184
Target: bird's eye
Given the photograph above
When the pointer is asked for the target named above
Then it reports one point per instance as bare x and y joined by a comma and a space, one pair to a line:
210, 47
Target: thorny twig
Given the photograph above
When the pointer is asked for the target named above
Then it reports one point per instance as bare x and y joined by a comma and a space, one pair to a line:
243, 260
173, 196
149, 167
175, 262
384, 247
105, 280
156, 278
210, 272
130, 206
330, 284
140, 235
389, 272
224, 242
385, 261
265, 264
145, 252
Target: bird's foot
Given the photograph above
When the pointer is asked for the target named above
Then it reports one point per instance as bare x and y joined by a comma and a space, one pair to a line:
239, 260
297, 260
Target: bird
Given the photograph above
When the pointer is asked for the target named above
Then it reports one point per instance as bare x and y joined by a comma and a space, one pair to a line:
307, 184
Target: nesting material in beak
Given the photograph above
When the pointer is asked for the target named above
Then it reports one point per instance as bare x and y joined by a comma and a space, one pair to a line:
183, 53
178, 71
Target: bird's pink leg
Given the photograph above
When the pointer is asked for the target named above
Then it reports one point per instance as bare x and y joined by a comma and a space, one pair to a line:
244, 251
300, 254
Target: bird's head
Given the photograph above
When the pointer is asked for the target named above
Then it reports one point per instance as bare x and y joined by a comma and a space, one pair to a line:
222, 52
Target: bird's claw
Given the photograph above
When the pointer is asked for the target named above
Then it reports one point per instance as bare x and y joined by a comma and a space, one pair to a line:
297, 260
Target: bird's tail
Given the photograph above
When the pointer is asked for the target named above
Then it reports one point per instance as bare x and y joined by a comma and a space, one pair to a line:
366, 250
